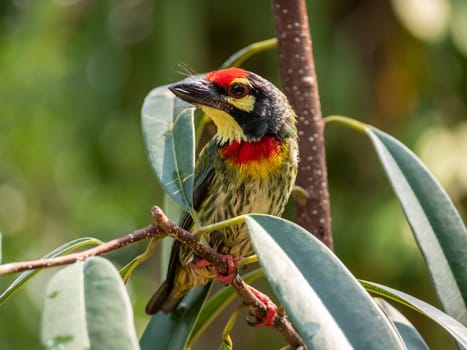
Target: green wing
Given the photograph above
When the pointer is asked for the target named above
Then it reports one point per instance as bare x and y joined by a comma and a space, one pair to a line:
204, 174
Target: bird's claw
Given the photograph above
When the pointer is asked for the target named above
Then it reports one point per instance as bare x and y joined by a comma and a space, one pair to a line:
231, 270
224, 278
271, 313
200, 263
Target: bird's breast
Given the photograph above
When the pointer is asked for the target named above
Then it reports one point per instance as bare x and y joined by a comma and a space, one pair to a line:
258, 159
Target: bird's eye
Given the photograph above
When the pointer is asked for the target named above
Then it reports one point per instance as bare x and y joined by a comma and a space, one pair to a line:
238, 90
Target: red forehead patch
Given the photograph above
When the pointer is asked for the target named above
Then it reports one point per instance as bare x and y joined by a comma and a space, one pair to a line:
224, 77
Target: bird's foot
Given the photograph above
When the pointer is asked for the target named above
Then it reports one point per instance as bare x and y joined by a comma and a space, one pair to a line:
224, 278
270, 317
200, 263
231, 270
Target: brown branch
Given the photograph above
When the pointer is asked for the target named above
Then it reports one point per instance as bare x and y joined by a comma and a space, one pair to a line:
163, 226
169, 228
138, 235
301, 87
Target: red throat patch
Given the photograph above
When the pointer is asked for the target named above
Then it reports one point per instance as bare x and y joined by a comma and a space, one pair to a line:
245, 152
224, 77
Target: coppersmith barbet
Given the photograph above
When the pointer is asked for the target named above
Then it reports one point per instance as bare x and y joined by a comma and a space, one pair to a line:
249, 166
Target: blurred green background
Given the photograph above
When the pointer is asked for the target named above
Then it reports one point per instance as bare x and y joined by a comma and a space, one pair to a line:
73, 76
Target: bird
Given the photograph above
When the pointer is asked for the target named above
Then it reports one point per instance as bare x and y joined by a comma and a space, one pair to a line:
248, 166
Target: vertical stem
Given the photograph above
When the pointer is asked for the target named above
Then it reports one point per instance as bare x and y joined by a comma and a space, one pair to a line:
301, 87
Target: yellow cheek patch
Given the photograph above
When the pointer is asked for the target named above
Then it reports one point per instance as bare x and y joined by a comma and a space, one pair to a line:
246, 103
228, 129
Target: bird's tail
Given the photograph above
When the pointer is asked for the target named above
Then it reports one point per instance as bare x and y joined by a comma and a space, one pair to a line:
164, 299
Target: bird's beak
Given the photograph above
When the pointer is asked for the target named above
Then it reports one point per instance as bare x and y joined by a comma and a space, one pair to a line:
199, 92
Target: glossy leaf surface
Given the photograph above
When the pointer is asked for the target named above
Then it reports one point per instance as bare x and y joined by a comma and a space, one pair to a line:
172, 331
435, 222
87, 307
169, 137
451, 325
325, 302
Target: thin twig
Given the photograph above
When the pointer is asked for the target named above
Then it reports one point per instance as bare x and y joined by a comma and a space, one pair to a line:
171, 229
138, 235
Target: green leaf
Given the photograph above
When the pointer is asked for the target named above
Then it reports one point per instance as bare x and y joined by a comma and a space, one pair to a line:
326, 303
217, 303
436, 224
87, 307
62, 250
451, 325
165, 252
172, 331
127, 270
169, 137
242, 55
412, 339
